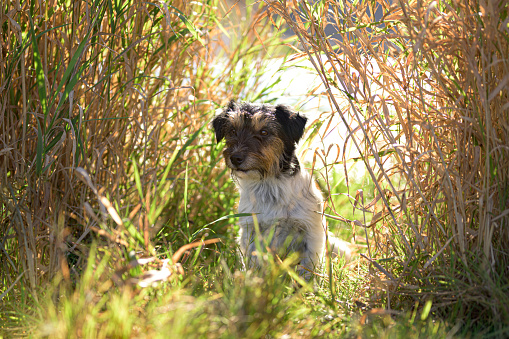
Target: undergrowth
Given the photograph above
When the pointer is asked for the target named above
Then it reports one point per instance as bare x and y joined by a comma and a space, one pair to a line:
117, 212
420, 92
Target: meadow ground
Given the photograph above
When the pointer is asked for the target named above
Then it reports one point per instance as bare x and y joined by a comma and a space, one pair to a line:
117, 214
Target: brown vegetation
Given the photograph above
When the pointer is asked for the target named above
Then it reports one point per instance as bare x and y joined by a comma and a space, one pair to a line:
100, 117
427, 90
103, 108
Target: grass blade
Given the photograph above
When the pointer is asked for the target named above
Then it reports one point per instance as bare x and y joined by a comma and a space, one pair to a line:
39, 72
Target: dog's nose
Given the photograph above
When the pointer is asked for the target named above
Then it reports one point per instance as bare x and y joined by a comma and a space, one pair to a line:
237, 159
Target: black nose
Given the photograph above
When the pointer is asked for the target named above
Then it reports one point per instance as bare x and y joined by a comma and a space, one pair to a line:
237, 159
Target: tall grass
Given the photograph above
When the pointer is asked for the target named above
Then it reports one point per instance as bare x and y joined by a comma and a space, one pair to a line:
104, 108
423, 94
110, 179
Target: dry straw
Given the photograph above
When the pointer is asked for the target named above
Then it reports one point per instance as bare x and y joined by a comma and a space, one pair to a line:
102, 108
423, 92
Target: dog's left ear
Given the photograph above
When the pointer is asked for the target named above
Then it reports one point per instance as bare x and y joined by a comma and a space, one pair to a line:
293, 123
219, 124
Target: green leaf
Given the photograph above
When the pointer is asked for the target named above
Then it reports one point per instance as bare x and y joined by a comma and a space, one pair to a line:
67, 74
193, 30
39, 71
137, 179
40, 149
426, 309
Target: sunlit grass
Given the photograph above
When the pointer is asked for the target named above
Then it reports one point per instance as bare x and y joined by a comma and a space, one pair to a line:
106, 160
415, 92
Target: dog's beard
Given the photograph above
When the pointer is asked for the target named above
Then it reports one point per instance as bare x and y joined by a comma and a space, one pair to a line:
273, 171
246, 174
256, 168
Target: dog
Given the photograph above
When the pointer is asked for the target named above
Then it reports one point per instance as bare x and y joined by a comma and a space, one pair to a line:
283, 201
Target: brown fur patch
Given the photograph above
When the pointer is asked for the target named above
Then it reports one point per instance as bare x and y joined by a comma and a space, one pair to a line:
270, 156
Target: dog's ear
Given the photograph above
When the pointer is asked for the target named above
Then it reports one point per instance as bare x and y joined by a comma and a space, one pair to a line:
231, 106
220, 122
292, 122
219, 125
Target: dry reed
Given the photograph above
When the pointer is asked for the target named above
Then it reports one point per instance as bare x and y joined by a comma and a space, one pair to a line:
102, 110
423, 91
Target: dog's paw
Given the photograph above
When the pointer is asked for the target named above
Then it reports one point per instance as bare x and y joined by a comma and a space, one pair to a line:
340, 247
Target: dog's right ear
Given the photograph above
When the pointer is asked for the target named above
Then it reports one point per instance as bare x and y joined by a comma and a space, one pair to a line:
221, 121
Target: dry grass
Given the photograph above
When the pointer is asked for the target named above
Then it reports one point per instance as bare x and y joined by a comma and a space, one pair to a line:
423, 92
102, 110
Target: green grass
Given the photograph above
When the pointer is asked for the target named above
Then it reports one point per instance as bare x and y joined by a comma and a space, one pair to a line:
346, 199
107, 159
215, 299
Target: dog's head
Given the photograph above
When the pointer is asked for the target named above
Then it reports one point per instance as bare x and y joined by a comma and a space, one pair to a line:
260, 138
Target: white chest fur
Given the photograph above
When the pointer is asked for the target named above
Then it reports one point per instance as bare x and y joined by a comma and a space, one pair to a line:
288, 206
273, 199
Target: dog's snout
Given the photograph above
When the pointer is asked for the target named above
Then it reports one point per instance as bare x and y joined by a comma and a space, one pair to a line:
237, 159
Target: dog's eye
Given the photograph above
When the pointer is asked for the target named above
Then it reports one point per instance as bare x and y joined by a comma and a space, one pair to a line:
264, 132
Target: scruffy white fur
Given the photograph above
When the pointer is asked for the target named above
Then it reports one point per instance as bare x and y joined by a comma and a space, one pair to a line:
285, 206
293, 204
